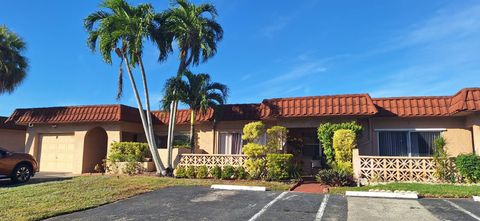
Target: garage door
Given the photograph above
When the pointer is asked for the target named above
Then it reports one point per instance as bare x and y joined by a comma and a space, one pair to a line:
56, 152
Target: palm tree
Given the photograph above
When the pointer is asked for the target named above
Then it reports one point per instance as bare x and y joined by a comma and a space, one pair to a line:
13, 65
123, 29
198, 93
196, 32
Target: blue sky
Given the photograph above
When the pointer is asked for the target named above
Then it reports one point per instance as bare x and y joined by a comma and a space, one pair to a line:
270, 49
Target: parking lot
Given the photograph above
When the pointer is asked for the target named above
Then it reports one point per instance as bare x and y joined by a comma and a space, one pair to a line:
202, 203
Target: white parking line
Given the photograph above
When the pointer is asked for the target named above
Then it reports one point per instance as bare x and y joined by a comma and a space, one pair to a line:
462, 209
321, 210
255, 217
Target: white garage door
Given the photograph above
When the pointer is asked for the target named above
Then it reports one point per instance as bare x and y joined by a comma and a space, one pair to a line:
56, 152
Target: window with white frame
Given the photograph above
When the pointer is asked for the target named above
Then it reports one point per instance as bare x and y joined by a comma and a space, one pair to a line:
407, 142
230, 143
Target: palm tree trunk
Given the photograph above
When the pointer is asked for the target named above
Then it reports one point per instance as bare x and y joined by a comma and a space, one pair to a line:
173, 110
192, 131
151, 133
157, 161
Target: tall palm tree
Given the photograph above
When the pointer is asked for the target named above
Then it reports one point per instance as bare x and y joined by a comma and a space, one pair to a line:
13, 65
198, 93
196, 32
123, 29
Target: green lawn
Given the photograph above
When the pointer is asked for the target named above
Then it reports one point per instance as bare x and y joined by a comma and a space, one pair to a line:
39, 201
423, 190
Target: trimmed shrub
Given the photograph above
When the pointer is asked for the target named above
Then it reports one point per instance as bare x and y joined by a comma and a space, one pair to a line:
129, 151
343, 144
276, 138
191, 172
468, 165
216, 172
334, 177
279, 166
228, 173
180, 172
202, 172
132, 167
252, 131
444, 167
255, 163
240, 173
325, 136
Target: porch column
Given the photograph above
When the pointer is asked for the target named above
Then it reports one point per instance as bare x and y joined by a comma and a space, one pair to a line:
356, 163
476, 139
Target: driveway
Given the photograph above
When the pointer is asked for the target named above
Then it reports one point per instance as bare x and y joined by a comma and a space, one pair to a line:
201, 203
39, 177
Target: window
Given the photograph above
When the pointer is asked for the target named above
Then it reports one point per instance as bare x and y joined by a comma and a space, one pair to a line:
230, 143
407, 142
179, 140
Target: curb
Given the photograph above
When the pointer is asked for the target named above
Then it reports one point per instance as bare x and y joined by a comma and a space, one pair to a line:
296, 185
382, 194
235, 187
476, 198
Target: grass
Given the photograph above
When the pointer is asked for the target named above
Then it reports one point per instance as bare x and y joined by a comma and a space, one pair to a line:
40, 201
423, 189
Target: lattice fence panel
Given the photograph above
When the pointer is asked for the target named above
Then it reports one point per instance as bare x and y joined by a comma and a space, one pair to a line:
211, 160
397, 168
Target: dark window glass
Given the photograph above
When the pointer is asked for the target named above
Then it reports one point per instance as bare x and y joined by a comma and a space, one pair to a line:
161, 142
423, 143
393, 143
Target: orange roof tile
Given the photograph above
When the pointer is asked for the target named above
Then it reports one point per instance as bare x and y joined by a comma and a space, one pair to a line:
336, 105
183, 116
467, 99
413, 106
9, 125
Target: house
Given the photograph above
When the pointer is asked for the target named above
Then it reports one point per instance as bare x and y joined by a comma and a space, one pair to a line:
12, 137
76, 138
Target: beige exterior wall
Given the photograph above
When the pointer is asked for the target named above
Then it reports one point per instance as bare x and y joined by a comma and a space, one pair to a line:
32, 145
473, 121
457, 136
13, 140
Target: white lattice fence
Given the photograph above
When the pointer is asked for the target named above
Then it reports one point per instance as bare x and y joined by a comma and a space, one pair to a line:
211, 160
397, 168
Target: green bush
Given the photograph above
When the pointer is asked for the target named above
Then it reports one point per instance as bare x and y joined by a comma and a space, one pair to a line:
240, 173
279, 166
202, 172
180, 172
325, 136
216, 172
468, 165
132, 168
276, 138
191, 172
343, 144
255, 164
252, 131
444, 167
129, 151
228, 173
334, 177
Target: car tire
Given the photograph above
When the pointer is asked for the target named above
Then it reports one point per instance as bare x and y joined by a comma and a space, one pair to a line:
22, 173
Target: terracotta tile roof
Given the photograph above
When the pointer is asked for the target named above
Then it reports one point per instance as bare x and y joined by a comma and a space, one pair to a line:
96, 113
183, 116
337, 105
9, 125
413, 106
467, 99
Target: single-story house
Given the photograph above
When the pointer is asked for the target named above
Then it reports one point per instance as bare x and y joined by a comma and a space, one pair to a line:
12, 136
76, 138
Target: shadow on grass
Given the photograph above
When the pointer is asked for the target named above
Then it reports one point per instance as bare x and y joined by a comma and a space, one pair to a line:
4, 183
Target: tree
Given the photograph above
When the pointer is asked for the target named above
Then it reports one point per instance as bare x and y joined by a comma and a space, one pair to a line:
198, 92
123, 29
196, 32
13, 65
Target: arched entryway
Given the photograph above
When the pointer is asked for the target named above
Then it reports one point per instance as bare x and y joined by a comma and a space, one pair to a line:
94, 149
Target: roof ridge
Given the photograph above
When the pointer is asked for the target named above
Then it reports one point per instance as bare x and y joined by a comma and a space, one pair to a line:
76, 106
409, 97
320, 96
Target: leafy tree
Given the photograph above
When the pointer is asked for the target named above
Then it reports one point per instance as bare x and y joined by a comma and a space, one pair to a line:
343, 144
124, 29
252, 131
198, 92
13, 65
196, 32
276, 138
